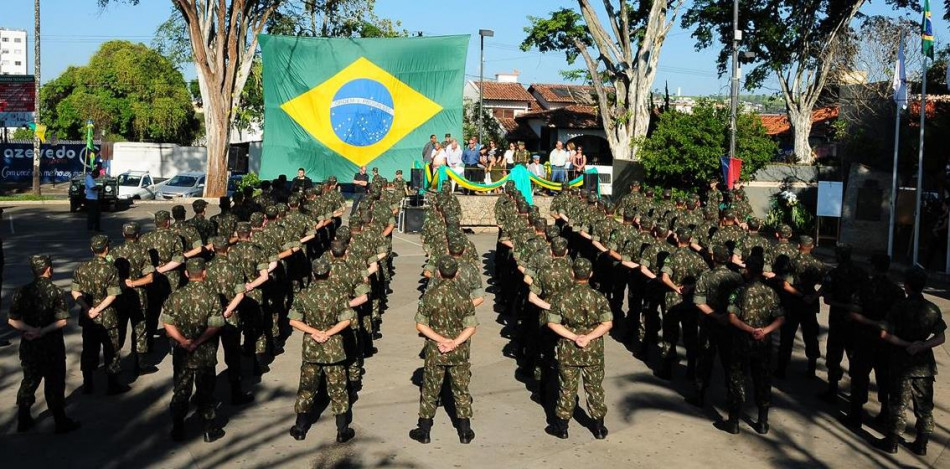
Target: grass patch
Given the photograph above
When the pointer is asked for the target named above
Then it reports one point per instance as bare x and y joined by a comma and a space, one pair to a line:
28, 197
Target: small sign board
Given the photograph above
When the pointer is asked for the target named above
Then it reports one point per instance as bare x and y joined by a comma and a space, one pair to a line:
830, 196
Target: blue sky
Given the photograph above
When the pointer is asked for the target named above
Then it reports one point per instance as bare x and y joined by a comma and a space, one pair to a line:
74, 29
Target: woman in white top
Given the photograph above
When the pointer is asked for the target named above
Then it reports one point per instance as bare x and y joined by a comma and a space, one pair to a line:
510, 155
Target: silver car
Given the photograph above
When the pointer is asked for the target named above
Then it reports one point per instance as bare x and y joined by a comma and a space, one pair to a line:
190, 184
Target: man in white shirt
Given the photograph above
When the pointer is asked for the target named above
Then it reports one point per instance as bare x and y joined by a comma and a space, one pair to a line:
453, 158
92, 199
536, 168
559, 160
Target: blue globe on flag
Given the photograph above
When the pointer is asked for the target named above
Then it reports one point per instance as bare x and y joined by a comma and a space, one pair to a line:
362, 112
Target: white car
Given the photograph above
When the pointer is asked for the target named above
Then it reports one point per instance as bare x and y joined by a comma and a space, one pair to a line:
136, 185
190, 184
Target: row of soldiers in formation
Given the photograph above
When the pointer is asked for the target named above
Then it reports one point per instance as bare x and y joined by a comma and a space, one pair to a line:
705, 275
247, 272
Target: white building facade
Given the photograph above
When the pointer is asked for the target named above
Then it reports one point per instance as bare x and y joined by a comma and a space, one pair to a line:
13, 52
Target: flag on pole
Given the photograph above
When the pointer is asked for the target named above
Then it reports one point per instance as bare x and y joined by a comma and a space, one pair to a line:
731, 170
927, 32
900, 79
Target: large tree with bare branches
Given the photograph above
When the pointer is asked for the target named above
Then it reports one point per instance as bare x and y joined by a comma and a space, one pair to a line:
621, 52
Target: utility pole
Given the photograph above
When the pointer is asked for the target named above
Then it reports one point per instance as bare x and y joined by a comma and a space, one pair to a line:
36, 98
734, 105
483, 33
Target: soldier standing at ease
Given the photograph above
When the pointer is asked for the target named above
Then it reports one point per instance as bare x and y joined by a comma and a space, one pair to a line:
322, 312
796, 279
756, 312
135, 273
39, 311
916, 325
580, 316
446, 318
202, 225
95, 288
166, 248
192, 318
838, 288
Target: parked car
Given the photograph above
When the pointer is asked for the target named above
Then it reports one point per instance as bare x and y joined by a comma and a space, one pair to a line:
190, 184
136, 185
108, 192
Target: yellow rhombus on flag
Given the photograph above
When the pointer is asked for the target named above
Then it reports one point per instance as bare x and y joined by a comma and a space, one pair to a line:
324, 111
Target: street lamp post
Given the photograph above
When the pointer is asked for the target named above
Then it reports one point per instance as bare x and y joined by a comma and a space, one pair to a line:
482, 33
36, 98
734, 104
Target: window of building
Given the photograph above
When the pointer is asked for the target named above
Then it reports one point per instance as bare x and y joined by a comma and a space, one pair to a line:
6, 39
17, 51
18, 39
17, 63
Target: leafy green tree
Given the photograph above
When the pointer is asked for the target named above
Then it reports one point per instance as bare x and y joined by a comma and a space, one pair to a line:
129, 91
22, 133
684, 150
491, 129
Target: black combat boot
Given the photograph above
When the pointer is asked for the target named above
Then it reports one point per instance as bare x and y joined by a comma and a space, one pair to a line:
260, 364
600, 431
888, 444
698, 399
855, 416
812, 367
919, 446
466, 434
299, 430
558, 428
238, 395
762, 426
64, 424
24, 419
421, 432
114, 386
88, 383
830, 394
143, 367
343, 431
732, 425
213, 431
178, 428
690, 369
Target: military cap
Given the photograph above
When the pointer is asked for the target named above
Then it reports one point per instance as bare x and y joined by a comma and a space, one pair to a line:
162, 216
132, 228
448, 266
310, 191
728, 213
243, 227
552, 231
456, 246
224, 201
635, 183
293, 200
667, 193
720, 253
683, 234
609, 207
509, 185
39, 263
195, 265
99, 242
559, 246
662, 231
282, 208
754, 224
343, 232
582, 268
218, 241
199, 205
650, 193
629, 213
755, 264
785, 231
321, 266
331, 180
680, 201
646, 222
178, 212
520, 142
591, 198
257, 219
338, 247
806, 240
271, 211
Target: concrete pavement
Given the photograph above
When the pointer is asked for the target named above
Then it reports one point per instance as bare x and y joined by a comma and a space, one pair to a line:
650, 424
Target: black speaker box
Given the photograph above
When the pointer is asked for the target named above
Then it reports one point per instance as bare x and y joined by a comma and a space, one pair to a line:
414, 216
415, 178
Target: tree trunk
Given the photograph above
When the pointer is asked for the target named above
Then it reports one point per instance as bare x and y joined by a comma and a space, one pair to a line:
801, 130
217, 126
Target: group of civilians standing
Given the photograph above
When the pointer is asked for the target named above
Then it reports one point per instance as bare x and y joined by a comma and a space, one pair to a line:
480, 163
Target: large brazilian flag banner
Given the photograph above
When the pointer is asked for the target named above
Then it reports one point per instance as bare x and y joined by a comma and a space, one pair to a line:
332, 105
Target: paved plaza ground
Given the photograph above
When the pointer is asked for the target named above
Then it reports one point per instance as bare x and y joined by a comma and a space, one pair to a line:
650, 423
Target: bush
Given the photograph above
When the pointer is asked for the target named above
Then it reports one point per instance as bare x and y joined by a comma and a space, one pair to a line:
785, 209
249, 180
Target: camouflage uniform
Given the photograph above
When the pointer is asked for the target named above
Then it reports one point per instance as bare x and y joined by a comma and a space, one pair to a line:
840, 285
227, 279
96, 280
580, 309
875, 299
684, 266
912, 376
133, 262
225, 224
192, 310
39, 304
322, 306
713, 288
447, 310
758, 306
252, 261
350, 278
806, 272
203, 226
164, 246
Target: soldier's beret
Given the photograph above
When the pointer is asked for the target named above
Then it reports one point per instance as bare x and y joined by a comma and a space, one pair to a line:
271, 211
582, 268
785, 231
218, 241
257, 219
448, 266
195, 265
282, 208
559, 246
39, 263
456, 246
199, 205
99, 242
720, 253
806, 240
178, 212
754, 223
162, 216
321, 266
131, 228
243, 227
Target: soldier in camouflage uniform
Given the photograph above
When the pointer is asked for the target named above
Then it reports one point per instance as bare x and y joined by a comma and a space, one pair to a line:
752, 244
225, 222
679, 274
652, 258
323, 314
202, 225
871, 304
226, 278
95, 288
580, 317
754, 312
838, 289
795, 280
256, 265
166, 250
136, 272
446, 318
192, 318
39, 311
713, 289
189, 235
713, 195
916, 326
521, 155
782, 247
